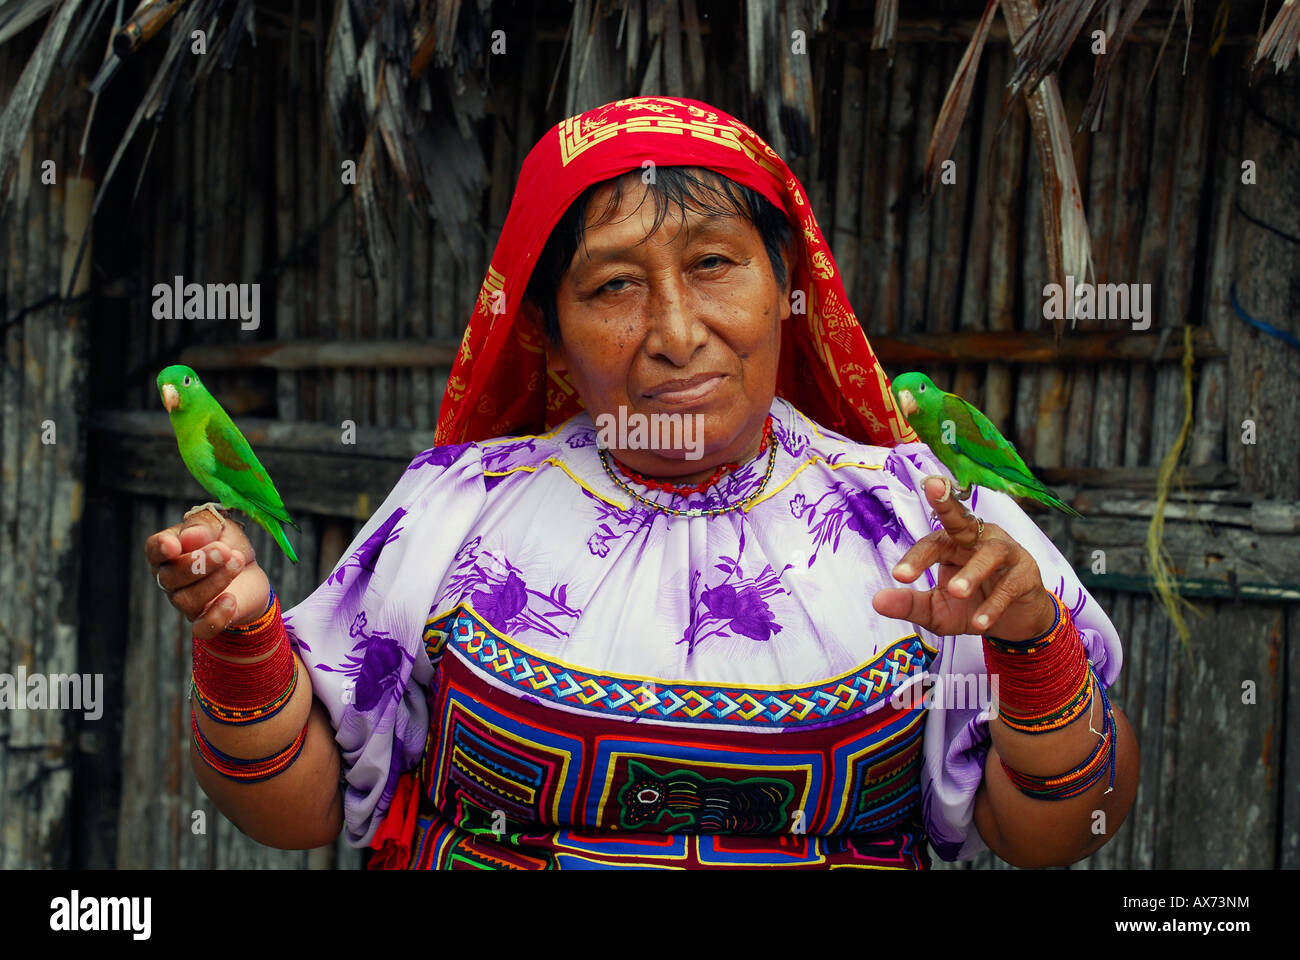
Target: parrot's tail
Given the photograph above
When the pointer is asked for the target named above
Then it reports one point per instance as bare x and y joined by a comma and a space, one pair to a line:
1065, 507
1044, 495
273, 527
1053, 500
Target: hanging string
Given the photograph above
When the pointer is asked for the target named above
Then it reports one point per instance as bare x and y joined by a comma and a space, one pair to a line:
1286, 336
1267, 226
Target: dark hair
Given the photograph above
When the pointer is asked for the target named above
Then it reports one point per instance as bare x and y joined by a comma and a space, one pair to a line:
703, 190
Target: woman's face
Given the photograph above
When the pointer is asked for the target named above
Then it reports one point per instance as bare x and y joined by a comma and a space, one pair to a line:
686, 321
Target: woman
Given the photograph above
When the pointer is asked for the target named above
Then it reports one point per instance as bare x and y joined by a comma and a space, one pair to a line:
695, 652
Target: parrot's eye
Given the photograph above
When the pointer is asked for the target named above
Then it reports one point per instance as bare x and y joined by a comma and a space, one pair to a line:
920, 389
186, 381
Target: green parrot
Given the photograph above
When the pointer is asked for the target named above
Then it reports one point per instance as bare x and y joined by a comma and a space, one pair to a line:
975, 452
219, 457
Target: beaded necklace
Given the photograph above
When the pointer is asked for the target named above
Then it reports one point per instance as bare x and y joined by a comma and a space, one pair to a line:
696, 512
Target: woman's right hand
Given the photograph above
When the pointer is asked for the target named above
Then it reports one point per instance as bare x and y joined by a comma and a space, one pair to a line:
211, 575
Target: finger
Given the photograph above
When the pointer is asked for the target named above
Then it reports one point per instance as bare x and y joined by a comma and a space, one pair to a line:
196, 600
1013, 588
952, 513
900, 603
216, 618
1004, 594
195, 565
163, 546
935, 547
991, 555
199, 530
193, 586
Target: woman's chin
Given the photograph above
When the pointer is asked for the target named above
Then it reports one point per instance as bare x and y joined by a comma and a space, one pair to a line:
698, 452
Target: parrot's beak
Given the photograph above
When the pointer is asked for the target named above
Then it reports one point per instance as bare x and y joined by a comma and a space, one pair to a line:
906, 402
171, 397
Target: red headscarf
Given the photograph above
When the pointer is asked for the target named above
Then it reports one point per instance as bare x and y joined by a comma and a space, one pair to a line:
827, 369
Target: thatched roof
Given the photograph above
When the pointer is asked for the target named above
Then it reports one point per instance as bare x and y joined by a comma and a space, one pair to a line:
403, 80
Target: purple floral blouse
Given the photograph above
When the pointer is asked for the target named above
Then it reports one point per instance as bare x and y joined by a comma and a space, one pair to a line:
532, 536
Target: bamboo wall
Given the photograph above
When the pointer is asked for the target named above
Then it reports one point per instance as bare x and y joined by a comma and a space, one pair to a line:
243, 185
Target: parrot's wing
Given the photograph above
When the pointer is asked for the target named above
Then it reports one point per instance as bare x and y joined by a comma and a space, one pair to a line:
981, 442
238, 467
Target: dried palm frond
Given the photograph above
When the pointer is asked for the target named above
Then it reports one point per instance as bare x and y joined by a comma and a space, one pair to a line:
1069, 245
1281, 40
955, 103
17, 17
241, 22
376, 229
150, 105
885, 28
1049, 36
1047, 39
1118, 24
20, 109
77, 41
342, 80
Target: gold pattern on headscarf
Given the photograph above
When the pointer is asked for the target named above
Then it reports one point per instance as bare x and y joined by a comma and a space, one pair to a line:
578, 135
529, 339
855, 373
493, 283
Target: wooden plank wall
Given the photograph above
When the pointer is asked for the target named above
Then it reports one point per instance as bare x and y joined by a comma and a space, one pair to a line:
244, 185
42, 451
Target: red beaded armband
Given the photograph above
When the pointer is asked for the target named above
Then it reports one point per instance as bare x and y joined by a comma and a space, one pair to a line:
247, 771
1044, 683
224, 713
246, 692
1074, 782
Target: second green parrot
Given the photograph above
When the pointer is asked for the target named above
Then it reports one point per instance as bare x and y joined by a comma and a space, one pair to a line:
219, 457
966, 442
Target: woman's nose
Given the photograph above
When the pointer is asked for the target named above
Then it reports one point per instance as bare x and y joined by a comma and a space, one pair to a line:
676, 330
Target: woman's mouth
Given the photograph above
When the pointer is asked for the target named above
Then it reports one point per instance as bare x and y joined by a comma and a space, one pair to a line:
688, 391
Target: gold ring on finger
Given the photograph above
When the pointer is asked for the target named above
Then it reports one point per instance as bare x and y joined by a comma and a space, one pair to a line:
979, 529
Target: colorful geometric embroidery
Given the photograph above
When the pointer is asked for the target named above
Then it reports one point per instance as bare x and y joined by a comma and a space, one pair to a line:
683, 800
865, 687
506, 783
439, 846
492, 762
618, 760
884, 776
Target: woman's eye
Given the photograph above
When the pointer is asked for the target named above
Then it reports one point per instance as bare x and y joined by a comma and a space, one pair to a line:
604, 288
713, 256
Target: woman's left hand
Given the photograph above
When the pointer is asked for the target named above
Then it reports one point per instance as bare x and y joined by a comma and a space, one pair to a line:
988, 583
